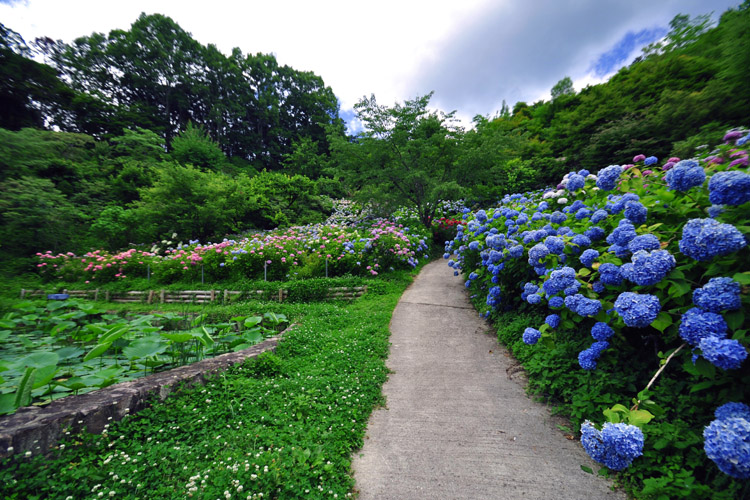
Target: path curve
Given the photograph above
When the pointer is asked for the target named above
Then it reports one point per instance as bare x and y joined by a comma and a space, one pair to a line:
455, 426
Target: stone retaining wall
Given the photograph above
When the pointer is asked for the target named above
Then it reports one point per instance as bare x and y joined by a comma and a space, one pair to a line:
37, 429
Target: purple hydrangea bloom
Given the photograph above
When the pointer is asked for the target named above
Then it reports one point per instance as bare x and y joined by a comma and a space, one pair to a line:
697, 324
644, 242
615, 446
729, 188
704, 239
575, 182
648, 268
727, 354
588, 256
638, 158
553, 320
719, 294
637, 310
727, 443
635, 212
601, 331
607, 177
610, 274
685, 175
531, 336
733, 410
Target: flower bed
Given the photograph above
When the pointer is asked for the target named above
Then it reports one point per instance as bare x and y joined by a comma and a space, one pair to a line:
364, 249
652, 261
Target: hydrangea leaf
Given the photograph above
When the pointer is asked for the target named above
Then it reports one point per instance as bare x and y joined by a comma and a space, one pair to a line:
662, 321
678, 288
639, 417
735, 319
742, 278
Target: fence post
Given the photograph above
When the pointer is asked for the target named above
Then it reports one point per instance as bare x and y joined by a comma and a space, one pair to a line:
226, 295
148, 272
265, 271
96, 295
281, 294
161, 296
23, 293
213, 295
202, 274
106, 295
150, 296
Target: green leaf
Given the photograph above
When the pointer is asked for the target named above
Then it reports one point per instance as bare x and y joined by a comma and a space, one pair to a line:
44, 375
583, 272
662, 321
252, 321
678, 288
40, 359
143, 348
7, 403
639, 417
69, 352
97, 351
706, 384
178, 337
6, 323
588, 470
742, 278
114, 333
662, 443
23, 394
735, 319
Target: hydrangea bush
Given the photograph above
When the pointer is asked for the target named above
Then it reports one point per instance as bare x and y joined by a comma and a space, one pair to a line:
637, 255
365, 247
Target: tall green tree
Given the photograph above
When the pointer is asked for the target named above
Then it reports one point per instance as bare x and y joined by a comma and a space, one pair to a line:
406, 155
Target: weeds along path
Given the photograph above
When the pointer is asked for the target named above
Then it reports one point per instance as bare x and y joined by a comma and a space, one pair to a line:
455, 426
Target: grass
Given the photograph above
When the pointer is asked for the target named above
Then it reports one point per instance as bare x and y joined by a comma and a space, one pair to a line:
283, 426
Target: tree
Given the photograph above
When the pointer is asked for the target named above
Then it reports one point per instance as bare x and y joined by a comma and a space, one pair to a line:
563, 88
194, 146
406, 156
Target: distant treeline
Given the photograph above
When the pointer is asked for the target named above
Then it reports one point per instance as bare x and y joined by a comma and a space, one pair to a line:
132, 136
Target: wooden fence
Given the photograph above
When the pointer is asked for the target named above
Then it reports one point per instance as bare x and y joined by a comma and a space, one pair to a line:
192, 296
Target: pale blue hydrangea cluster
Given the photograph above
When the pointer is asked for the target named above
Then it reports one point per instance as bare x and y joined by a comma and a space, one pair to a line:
727, 354
560, 280
644, 242
704, 239
583, 306
697, 324
575, 182
685, 175
531, 336
553, 320
615, 446
637, 310
726, 440
635, 212
589, 256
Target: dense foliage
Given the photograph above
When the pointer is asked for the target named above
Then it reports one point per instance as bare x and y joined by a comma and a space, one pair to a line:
639, 268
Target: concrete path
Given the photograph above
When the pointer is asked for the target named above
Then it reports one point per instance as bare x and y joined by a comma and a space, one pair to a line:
455, 426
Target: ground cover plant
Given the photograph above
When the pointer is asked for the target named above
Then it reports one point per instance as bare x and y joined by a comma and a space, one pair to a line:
636, 279
283, 426
55, 349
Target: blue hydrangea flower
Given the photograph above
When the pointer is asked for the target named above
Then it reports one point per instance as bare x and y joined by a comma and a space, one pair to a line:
583, 306
473, 276
607, 177
635, 212
583, 213
553, 320
588, 257
581, 240
556, 302
685, 175
481, 215
530, 288
615, 446
559, 280
599, 216
575, 182
727, 354
715, 210
697, 324
729, 188
537, 253
650, 160
719, 294
531, 336
534, 298
727, 443
558, 218
601, 331
704, 239
733, 410
637, 310
554, 244
474, 245
616, 204
610, 274
587, 359
595, 233
644, 242
598, 287
622, 234
516, 251
648, 268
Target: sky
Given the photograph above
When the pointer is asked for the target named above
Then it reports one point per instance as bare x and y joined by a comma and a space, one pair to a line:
474, 54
